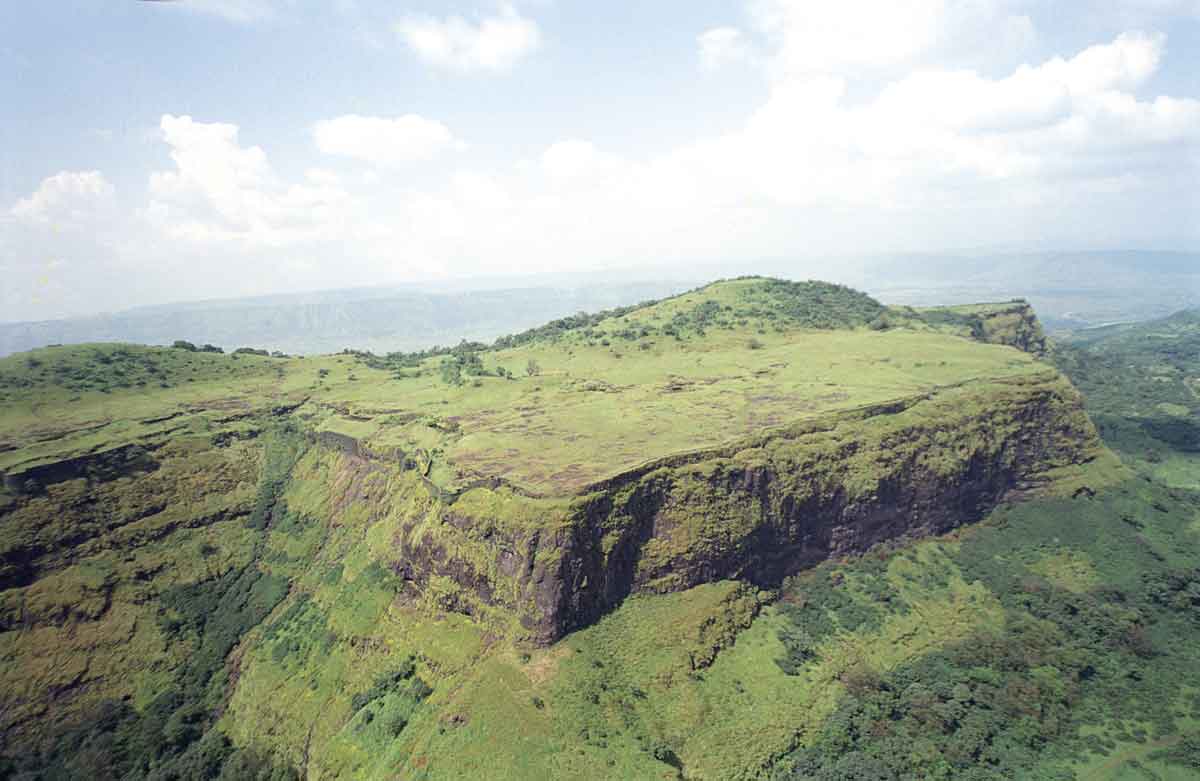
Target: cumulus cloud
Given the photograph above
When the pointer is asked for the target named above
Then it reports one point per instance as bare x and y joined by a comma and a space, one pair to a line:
66, 196
856, 36
406, 139
573, 159
722, 46
924, 154
934, 137
829, 36
222, 191
934, 154
855, 147
491, 43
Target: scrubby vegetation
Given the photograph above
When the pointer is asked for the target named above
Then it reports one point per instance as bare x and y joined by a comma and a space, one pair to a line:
1142, 383
173, 735
1094, 647
308, 569
105, 368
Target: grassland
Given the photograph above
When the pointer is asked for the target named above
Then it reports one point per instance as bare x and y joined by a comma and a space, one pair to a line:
249, 600
693, 371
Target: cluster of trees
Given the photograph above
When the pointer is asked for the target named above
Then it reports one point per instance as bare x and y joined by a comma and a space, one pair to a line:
181, 344
1132, 378
1010, 701
557, 328
102, 369
812, 304
174, 737
117, 742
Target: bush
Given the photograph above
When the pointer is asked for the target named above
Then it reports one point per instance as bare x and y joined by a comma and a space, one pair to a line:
451, 372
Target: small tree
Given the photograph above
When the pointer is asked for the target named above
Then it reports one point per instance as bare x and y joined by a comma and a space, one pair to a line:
533, 368
181, 344
451, 372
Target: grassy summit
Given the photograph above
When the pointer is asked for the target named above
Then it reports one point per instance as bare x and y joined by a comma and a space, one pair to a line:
550, 411
706, 368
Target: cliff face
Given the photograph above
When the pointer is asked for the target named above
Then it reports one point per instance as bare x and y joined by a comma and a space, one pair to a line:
1014, 324
756, 511
832, 488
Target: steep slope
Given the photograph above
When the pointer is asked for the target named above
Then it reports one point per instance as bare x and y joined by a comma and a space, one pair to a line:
322, 551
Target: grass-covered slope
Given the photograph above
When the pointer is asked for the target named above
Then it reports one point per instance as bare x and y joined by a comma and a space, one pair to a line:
591, 398
351, 566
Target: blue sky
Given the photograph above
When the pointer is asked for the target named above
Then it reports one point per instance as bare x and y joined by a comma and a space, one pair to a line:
168, 151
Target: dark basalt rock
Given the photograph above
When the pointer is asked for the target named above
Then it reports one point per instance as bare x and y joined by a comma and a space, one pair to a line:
124, 461
756, 511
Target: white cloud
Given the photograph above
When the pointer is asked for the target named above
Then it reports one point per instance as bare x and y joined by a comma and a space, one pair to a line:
406, 139
924, 143
934, 155
221, 191
492, 43
66, 196
722, 46
573, 159
854, 36
814, 36
928, 156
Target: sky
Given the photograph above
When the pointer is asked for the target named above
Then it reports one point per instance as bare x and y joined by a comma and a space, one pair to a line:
169, 151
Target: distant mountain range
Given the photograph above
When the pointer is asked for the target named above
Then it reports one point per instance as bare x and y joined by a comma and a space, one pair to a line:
376, 319
1070, 290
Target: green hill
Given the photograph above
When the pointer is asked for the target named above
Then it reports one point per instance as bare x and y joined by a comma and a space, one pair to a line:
618, 545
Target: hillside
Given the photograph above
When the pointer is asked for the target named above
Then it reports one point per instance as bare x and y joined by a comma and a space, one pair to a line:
359, 566
1143, 385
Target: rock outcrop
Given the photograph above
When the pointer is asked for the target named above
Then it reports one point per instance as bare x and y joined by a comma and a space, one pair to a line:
757, 510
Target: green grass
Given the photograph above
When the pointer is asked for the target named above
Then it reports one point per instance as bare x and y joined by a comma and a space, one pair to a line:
698, 370
248, 575
618, 394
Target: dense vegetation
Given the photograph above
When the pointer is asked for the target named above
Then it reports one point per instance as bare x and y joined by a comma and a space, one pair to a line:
273, 634
1142, 383
1096, 647
1094, 663
172, 738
